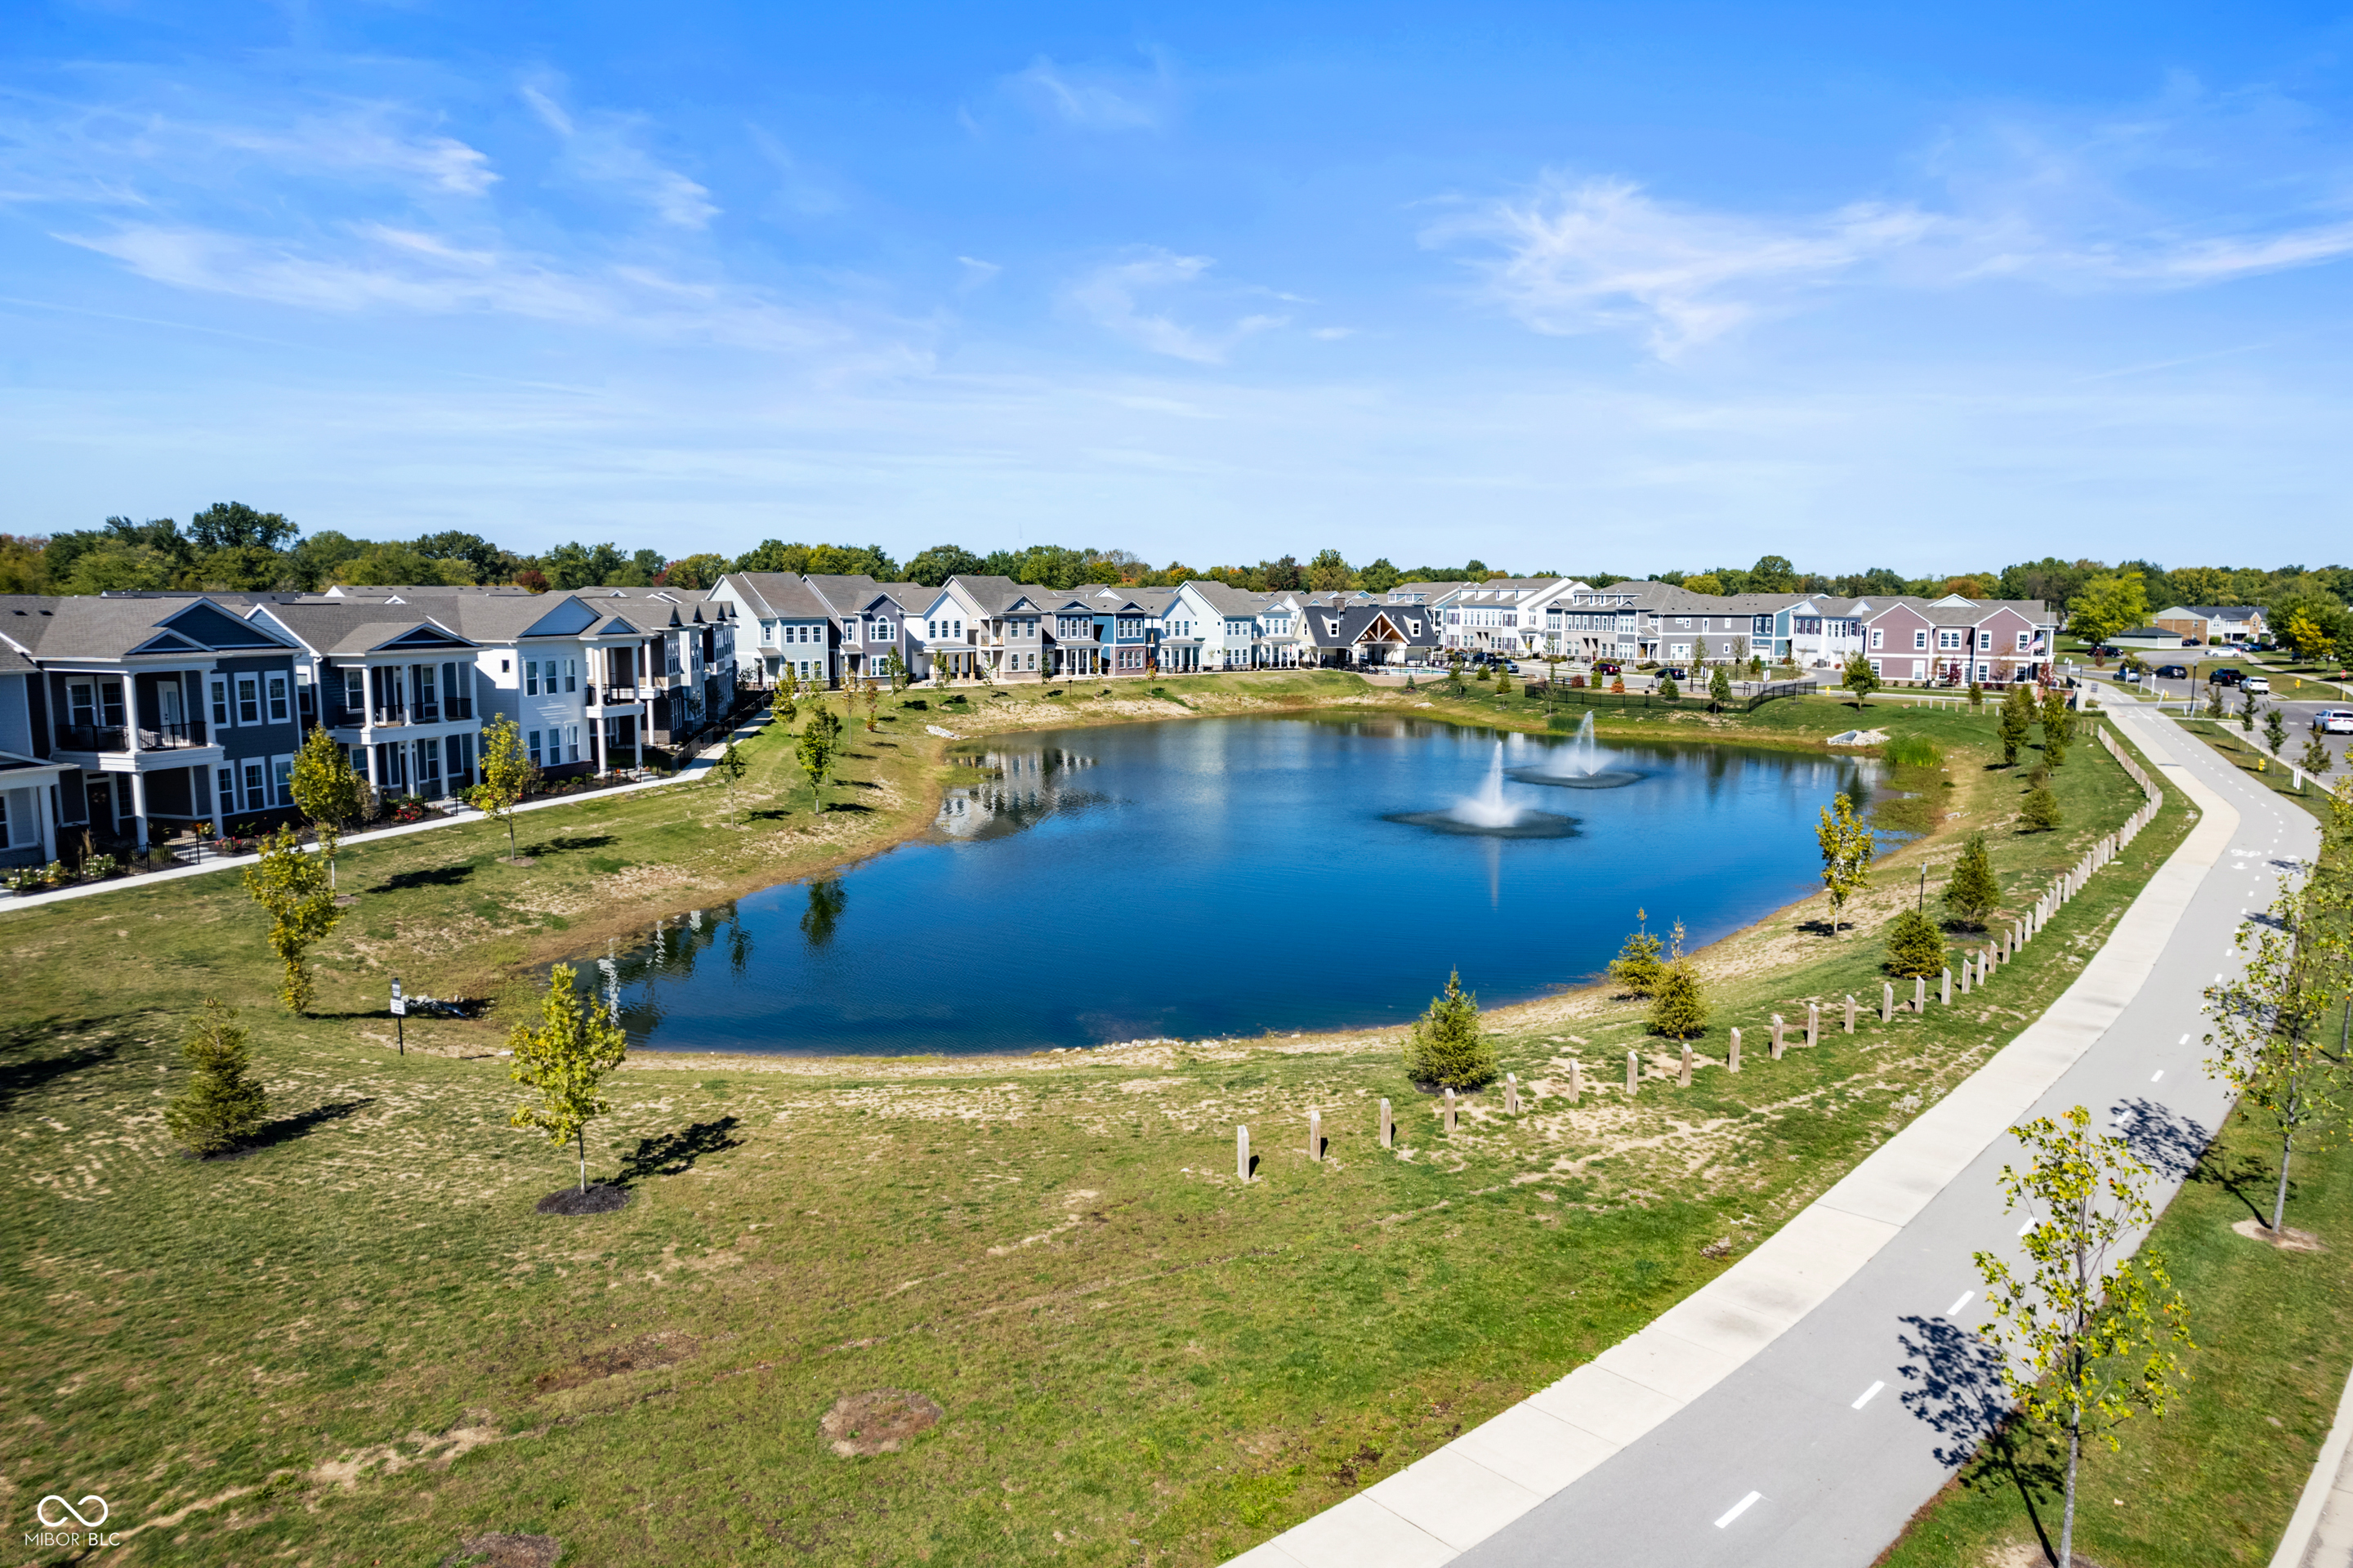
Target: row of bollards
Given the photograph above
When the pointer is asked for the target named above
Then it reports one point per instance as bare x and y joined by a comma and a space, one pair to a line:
1977, 967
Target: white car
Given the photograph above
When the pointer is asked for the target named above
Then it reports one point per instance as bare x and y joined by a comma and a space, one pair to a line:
2333, 720
2256, 686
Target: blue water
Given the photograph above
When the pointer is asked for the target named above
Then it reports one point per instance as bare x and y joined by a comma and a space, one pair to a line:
1225, 877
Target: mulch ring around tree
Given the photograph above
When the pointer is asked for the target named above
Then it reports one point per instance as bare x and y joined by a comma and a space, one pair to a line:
880, 1422
598, 1198
501, 1551
2288, 1240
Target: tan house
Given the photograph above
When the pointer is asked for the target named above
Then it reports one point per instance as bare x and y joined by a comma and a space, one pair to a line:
2214, 622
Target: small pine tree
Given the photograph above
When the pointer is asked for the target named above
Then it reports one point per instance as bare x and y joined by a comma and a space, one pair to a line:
2247, 716
2275, 731
1977, 697
1503, 680
1483, 674
1637, 967
1679, 1012
1974, 890
1719, 687
222, 1106
2058, 727
2016, 718
2317, 759
1670, 691
2041, 814
1448, 1049
1915, 946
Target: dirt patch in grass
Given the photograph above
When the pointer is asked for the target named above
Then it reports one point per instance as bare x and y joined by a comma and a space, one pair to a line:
502, 1550
646, 1352
880, 1421
597, 1198
2288, 1240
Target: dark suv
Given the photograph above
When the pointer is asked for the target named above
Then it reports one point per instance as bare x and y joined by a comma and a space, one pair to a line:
2226, 677
2172, 672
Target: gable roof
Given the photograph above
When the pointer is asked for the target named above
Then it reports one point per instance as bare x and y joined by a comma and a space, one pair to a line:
779, 596
100, 626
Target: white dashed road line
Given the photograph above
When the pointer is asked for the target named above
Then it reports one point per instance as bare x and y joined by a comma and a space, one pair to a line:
1738, 1509
1865, 1397
1955, 1310
2158, 1074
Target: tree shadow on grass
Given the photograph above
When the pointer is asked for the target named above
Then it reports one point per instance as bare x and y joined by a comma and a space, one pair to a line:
431, 876
674, 1153
571, 842
287, 1129
18, 1077
2249, 1179
1958, 1392
850, 806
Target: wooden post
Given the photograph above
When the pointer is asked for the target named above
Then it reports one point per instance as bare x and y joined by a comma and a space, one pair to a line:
1944, 988
1512, 1093
1576, 1081
1684, 1079
1633, 1073
1732, 1062
1450, 1110
1388, 1127
1887, 1002
1777, 1027
1813, 1024
1967, 967
1314, 1135
1242, 1154
1920, 994
1850, 1012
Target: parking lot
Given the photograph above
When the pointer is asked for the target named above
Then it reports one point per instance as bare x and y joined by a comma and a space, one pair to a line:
2297, 711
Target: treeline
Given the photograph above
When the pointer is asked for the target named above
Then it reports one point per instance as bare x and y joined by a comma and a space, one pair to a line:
233, 545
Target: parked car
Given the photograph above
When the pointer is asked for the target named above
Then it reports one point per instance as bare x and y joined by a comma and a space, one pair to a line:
2173, 672
2333, 720
1609, 667
2256, 686
2225, 677
1674, 673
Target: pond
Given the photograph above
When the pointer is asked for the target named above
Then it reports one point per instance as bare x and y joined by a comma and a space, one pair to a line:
1218, 878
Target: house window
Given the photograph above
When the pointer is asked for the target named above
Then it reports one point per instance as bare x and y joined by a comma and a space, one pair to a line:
571, 743
282, 769
249, 699
225, 793
505, 666
571, 674
531, 677
1874, 665
278, 713
257, 775
1878, 638
1948, 639
220, 699
82, 704
767, 631
2022, 638
1919, 641
355, 689
534, 748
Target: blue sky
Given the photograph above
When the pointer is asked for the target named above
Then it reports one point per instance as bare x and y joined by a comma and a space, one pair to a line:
1626, 287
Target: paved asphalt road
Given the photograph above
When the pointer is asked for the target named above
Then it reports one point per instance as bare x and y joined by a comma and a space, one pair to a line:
2298, 713
1847, 1423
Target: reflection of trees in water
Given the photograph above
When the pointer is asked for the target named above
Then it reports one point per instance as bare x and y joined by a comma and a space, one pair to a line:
1015, 790
827, 900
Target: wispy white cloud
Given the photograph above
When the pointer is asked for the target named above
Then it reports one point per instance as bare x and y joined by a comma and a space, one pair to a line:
1095, 97
606, 152
1108, 296
976, 273
1597, 254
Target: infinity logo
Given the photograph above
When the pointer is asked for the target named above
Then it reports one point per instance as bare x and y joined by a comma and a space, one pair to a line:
42, 1512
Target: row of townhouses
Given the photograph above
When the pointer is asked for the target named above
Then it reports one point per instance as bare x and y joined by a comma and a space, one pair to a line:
831, 629
123, 714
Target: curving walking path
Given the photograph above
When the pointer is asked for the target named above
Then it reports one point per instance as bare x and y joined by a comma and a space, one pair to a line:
1800, 1407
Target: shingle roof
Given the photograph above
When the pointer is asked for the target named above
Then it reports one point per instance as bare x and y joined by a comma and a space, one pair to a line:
102, 627
781, 595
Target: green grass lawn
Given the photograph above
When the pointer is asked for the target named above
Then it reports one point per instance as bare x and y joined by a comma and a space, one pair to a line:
2214, 1482
359, 1343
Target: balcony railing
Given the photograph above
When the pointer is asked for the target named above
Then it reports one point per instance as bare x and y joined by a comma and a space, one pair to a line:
386, 713
171, 737
92, 738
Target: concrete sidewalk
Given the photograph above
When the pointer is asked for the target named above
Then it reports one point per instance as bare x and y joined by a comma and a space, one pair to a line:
697, 766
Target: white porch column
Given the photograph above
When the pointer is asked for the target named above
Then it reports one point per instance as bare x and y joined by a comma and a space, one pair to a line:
47, 809
139, 808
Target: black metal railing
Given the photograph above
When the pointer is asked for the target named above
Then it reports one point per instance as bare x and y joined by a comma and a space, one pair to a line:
91, 738
169, 737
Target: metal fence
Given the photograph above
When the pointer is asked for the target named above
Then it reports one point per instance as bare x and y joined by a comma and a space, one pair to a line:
1747, 699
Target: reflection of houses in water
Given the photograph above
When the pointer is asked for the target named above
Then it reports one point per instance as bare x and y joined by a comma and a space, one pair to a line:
1017, 789
629, 982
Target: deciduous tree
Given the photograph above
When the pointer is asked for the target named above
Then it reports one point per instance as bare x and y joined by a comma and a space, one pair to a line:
2110, 603
2092, 1340
293, 886
819, 745
508, 774
731, 768
327, 791
565, 1060
1861, 679
1847, 846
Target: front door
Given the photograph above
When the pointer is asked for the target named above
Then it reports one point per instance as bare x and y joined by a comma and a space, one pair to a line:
101, 805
